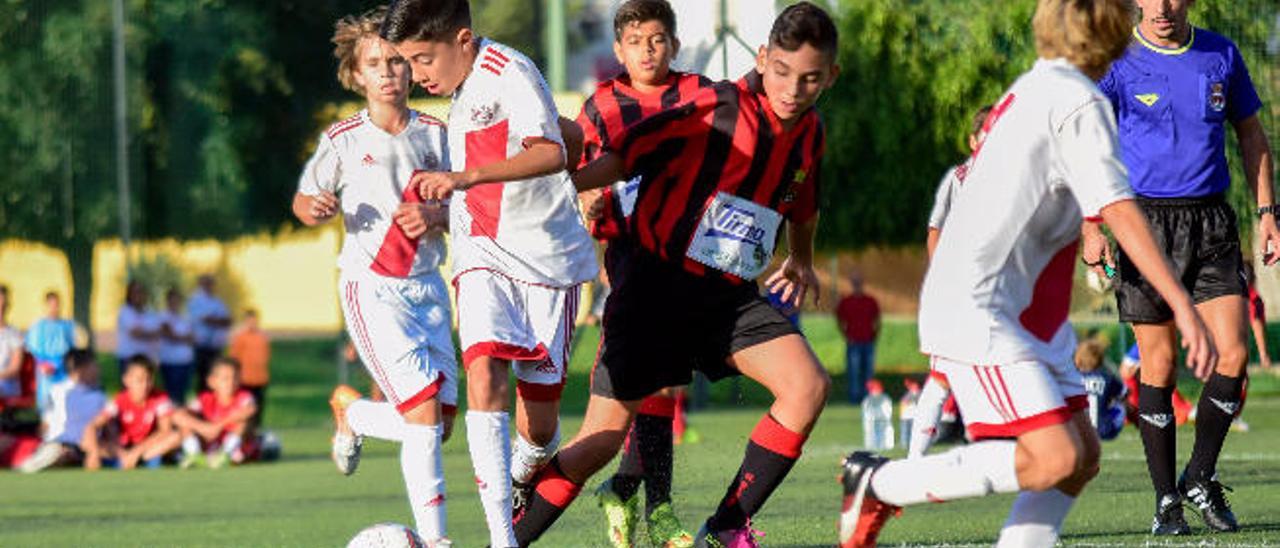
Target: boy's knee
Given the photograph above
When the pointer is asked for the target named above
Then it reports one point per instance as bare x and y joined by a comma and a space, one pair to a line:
1049, 468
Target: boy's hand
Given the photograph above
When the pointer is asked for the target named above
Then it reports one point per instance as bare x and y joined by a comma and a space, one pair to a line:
417, 219
595, 204
793, 280
323, 206
1202, 355
439, 185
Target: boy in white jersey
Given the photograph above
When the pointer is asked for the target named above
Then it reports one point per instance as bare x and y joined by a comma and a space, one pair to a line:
520, 249
994, 305
395, 302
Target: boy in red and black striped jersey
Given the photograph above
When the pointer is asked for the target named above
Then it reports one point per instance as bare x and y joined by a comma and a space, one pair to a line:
645, 44
719, 176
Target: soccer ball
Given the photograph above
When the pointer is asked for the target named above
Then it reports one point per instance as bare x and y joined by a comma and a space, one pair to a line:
386, 535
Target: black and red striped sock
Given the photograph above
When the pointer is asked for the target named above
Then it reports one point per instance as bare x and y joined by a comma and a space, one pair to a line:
626, 481
771, 453
653, 432
552, 495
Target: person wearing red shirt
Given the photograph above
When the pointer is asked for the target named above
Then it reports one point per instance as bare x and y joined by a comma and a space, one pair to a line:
859, 317
137, 425
218, 419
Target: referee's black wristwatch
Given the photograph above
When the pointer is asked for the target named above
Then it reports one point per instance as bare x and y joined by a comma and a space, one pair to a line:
1273, 209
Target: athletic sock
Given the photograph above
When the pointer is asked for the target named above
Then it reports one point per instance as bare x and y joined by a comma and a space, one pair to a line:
527, 457
924, 425
1219, 403
626, 481
191, 445
552, 494
680, 415
490, 446
974, 470
375, 419
771, 452
654, 431
231, 443
423, 471
1159, 440
1035, 519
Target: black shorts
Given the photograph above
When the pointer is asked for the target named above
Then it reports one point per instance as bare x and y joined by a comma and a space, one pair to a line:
1202, 241
661, 323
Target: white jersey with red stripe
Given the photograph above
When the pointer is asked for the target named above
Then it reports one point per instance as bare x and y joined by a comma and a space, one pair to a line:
947, 189
370, 170
530, 230
999, 286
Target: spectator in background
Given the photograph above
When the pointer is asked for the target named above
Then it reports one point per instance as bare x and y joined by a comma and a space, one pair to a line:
251, 347
10, 351
210, 323
1257, 318
137, 426
73, 404
137, 327
49, 340
218, 425
1103, 388
859, 317
177, 353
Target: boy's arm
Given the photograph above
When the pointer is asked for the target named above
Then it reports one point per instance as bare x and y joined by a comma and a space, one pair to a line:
600, 173
315, 210
315, 202
541, 156
796, 276
1131, 230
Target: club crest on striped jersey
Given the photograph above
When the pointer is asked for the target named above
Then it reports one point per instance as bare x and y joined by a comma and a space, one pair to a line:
736, 236
483, 115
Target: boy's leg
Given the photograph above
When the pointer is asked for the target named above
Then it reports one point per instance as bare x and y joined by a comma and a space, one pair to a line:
928, 411
655, 435
1036, 516
550, 315
554, 487
788, 369
488, 439
423, 468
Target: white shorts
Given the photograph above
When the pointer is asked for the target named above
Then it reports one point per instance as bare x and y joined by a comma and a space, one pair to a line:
1005, 401
529, 324
402, 329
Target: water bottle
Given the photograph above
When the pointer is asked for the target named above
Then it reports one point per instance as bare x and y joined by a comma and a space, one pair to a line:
907, 411
877, 418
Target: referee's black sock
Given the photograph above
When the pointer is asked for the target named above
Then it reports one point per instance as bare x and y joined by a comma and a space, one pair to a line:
552, 495
771, 453
1156, 424
1219, 403
626, 481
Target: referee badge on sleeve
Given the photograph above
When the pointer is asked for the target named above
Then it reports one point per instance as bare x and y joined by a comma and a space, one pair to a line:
1217, 97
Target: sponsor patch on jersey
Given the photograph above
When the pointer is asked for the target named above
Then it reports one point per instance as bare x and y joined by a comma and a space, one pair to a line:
627, 192
736, 236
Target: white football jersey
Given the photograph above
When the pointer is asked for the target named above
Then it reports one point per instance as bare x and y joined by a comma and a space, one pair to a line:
947, 188
998, 288
530, 230
370, 170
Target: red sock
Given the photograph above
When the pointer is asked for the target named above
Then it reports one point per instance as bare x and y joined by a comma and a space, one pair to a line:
771, 453
552, 495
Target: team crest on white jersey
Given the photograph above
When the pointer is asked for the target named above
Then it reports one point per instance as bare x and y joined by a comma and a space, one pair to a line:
483, 115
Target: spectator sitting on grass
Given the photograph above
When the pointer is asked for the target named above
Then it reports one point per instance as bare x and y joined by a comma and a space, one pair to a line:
217, 422
73, 404
137, 426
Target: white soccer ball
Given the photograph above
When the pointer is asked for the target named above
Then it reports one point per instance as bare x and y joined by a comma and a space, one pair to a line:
386, 535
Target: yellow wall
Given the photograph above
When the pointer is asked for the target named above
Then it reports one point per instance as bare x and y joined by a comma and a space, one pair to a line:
31, 270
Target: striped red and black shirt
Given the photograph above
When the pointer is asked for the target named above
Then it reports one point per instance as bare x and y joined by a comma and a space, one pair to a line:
726, 140
614, 107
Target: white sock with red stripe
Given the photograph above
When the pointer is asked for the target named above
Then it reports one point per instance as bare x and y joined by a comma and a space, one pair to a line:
527, 457
423, 471
1035, 519
490, 446
376, 419
924, 425
974, 470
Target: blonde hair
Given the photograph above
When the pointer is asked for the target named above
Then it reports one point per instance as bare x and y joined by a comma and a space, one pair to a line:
1090, 34
348, 33
1090, 355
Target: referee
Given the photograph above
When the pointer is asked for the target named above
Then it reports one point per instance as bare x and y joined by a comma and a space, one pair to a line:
1174, 91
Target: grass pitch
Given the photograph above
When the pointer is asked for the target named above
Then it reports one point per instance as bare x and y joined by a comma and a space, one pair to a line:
303, 501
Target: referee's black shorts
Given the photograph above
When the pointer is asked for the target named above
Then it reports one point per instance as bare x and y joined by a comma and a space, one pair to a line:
661, 323
1202, 241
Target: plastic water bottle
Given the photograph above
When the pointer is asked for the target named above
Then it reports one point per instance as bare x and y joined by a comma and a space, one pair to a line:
907, 411
877, 418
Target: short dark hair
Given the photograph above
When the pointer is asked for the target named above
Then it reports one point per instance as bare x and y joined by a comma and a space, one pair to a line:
78, 358
805, 23
643, 11
225, 361
425, 20
139, 360
52, 295
4, 290
979, 119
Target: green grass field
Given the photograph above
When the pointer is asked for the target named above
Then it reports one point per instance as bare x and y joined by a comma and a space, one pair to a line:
303, 501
